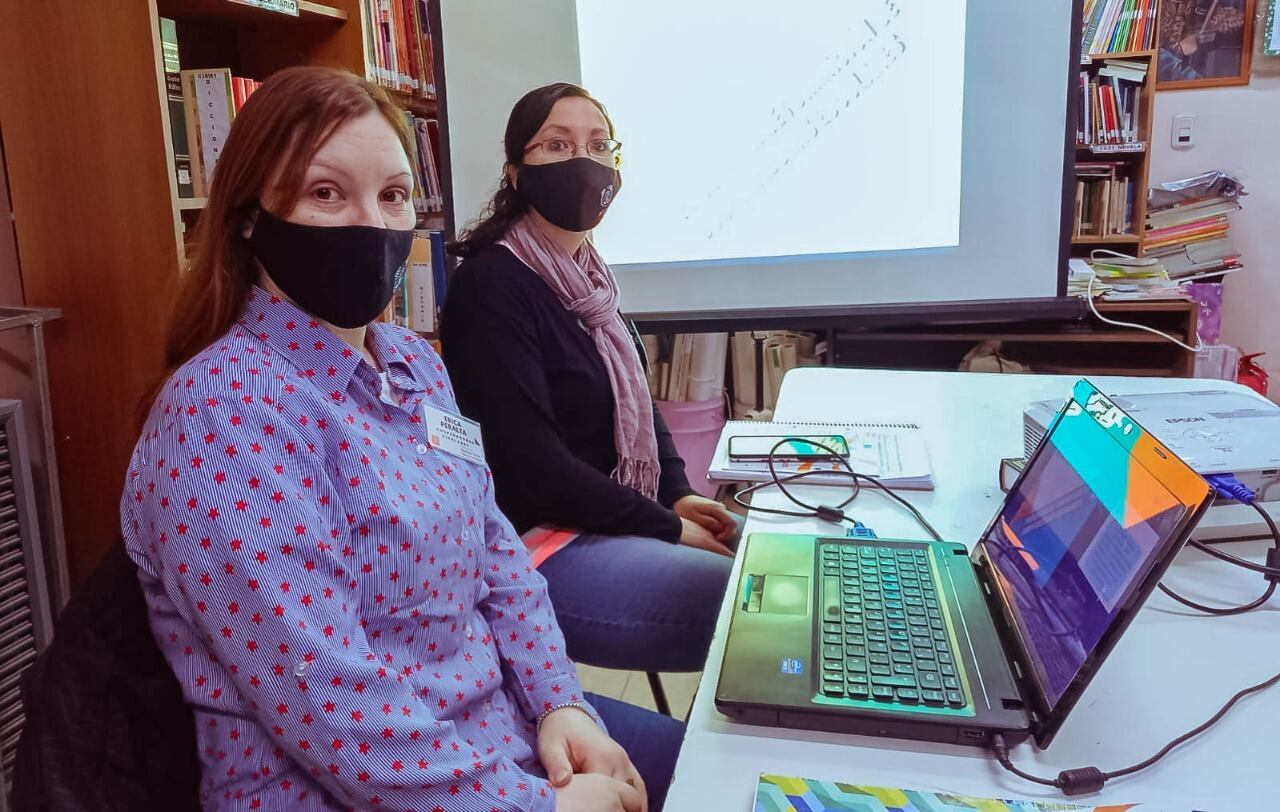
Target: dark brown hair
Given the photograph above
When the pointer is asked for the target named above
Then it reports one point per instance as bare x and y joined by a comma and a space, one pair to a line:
271, 143
527, 117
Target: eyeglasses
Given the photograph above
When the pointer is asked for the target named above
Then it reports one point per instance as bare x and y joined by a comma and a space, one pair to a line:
563, 149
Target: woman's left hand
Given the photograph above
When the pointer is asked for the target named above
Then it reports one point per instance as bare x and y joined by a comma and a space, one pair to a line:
708, 514
571, 742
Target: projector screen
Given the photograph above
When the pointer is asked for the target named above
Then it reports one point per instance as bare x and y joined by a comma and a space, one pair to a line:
847, 153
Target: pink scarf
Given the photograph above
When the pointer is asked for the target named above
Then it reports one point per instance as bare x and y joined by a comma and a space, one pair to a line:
587, 288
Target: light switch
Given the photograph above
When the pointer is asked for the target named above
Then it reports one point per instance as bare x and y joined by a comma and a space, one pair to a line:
1184, 132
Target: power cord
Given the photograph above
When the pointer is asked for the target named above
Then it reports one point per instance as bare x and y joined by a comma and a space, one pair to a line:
831, 513
1083, 780
1098, 315
1229, 487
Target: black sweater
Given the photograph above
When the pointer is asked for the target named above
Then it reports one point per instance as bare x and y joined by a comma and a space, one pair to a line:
525, 368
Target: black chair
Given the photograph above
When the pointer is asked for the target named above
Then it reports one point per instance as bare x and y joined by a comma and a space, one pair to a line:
659, 693
106, 728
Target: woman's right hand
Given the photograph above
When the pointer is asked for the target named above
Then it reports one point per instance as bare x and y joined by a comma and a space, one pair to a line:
694, 535
588, 792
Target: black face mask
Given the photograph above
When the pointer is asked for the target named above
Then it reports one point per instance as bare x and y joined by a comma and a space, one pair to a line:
344, 275
572, 194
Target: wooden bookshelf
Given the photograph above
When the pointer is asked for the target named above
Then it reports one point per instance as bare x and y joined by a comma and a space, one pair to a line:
1137, 162
231, 12
1131, 55
1079, 345
99, 223
417, 104
1110, 239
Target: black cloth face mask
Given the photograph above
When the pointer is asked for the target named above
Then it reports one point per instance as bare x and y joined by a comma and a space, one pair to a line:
572, 194
344, 275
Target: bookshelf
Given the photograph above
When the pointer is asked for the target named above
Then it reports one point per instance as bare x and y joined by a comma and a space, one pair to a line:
99, 222
1080, 345
1132, 157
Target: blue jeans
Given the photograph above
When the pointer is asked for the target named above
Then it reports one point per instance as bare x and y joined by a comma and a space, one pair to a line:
636, 603
652, 742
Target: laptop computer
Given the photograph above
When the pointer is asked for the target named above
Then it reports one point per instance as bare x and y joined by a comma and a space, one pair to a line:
924, 640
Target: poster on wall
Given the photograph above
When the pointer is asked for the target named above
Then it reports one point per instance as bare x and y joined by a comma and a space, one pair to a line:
1205, 43
1271, 31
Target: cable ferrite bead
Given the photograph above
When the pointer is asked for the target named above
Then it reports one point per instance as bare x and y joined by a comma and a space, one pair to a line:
1081, 780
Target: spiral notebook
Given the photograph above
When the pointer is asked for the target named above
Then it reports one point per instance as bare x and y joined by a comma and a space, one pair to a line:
894, 453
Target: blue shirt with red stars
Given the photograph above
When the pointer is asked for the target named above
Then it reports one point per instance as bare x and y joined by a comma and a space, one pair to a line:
353, 621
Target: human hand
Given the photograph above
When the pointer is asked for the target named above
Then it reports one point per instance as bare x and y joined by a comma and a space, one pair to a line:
694, 535
599, 793
570, 744
708, 514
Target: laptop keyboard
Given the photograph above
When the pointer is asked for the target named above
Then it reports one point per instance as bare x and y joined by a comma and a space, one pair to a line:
883, 634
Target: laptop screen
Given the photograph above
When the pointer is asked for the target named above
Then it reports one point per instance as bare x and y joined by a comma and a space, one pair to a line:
1080, 533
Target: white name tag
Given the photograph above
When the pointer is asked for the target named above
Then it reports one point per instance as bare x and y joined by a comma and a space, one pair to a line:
453, 433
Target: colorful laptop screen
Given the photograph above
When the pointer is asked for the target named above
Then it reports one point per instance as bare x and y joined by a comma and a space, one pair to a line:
1081, 532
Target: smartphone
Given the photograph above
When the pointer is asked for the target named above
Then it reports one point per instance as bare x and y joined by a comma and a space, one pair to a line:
795, 448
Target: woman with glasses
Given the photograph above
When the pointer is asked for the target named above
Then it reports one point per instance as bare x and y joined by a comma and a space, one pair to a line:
635, 561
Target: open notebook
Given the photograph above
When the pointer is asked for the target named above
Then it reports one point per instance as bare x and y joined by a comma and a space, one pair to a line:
776, 793
894, 453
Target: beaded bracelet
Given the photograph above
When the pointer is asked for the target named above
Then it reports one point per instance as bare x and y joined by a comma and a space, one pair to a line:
542, 717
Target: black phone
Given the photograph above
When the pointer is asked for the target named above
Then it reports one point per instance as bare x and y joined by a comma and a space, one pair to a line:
749, 447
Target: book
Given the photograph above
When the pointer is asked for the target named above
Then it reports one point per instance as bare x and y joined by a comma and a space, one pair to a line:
1010, 470
191, 122
438, 269
681, 352
1105, 199
894, 453
420, 287
179, 145
398, 52
416, 302
1118, 26
1191, 214
1109, 98
214, 104
777, 793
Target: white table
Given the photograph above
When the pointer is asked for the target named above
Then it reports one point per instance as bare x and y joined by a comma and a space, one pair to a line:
1171, 671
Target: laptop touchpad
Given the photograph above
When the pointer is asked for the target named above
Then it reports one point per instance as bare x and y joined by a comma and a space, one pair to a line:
785, 595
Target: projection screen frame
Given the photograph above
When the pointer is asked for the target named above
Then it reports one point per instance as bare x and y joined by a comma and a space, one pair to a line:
1010, 310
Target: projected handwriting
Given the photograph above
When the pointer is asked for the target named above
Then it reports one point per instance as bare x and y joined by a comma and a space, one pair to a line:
796, 124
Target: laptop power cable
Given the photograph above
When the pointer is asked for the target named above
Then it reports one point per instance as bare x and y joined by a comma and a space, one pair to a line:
1228, 487
1082, 780
830, 513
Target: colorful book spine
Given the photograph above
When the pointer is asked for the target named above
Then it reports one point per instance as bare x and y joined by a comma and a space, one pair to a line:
398, 50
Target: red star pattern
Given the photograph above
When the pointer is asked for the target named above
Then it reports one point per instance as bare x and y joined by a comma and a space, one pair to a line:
353, 621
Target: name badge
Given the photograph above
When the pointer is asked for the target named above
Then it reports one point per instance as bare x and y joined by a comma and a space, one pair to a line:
453, 433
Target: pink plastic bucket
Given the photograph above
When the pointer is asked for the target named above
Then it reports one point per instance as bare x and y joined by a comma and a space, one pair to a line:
695, 426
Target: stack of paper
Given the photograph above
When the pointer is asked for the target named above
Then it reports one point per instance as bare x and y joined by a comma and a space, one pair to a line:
1118, 277
894, 453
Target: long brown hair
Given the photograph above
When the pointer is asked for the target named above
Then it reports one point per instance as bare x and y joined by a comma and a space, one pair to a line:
271, 143
527, 117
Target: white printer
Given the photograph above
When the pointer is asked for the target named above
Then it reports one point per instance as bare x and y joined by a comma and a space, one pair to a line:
1214, 431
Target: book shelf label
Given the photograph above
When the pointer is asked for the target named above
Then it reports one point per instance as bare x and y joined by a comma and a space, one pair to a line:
289, 7
1103, 149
